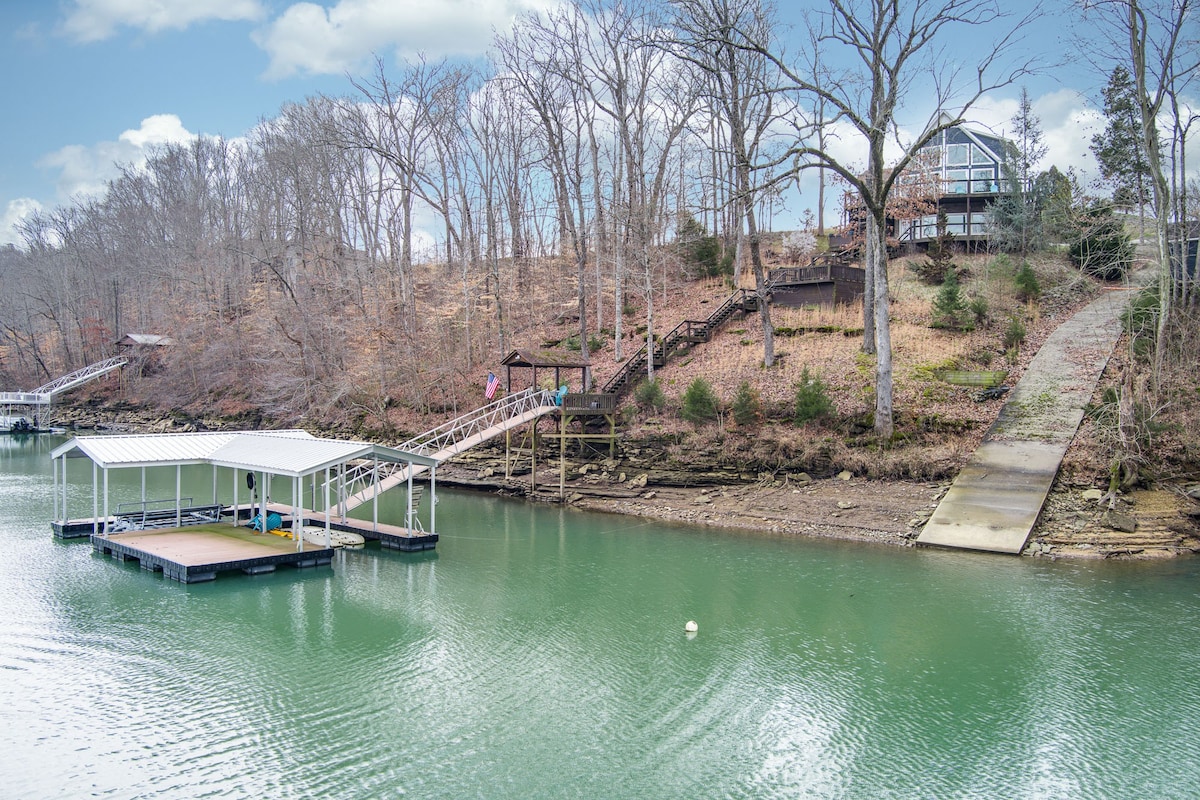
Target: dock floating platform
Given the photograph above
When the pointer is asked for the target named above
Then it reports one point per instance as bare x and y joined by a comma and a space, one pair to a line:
199, 553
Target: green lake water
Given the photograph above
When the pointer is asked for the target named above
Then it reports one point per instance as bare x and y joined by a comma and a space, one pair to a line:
540, 653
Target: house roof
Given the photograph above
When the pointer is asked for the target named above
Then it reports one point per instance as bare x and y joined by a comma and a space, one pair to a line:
148, 339
293, 453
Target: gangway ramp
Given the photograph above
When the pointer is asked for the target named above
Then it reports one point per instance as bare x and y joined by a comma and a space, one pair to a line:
44, 395
446, 441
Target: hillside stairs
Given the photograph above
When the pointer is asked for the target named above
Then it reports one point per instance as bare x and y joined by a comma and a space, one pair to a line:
681, 338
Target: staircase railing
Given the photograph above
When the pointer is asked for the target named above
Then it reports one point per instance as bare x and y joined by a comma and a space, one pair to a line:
687, 332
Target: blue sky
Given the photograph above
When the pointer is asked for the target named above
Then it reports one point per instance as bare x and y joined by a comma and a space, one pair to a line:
93, 82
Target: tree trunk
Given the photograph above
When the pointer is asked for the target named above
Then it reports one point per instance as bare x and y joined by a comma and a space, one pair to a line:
876, 261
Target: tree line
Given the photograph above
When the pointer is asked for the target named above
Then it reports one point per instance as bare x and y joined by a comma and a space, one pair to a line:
387, 245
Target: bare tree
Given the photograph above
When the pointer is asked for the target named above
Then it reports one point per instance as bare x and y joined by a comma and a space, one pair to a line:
1160, 50
883, 48
538, 67
729, 41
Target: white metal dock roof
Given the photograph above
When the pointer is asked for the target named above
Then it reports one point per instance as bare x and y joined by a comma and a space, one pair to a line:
293, 453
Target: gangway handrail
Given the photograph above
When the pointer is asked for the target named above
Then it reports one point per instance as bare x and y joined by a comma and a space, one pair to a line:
442, 442
80, 376
436, 439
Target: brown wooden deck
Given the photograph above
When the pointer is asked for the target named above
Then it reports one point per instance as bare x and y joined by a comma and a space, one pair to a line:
199, 552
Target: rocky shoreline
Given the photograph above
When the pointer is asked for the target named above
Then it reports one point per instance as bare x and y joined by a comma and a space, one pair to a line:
640, 482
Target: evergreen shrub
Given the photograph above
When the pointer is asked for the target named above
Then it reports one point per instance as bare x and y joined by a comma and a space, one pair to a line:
699, 402
812, 399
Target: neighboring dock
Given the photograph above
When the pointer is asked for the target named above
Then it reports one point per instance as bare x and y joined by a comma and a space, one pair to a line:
995, 501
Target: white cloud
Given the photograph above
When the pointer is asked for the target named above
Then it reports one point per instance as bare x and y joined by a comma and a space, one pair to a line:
16, 211
310, 38
94, 20
84, 170
1068, 122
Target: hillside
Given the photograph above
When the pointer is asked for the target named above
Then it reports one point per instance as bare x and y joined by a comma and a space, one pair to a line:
937, 424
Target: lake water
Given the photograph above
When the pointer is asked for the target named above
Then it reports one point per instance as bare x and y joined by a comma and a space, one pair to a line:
540, 653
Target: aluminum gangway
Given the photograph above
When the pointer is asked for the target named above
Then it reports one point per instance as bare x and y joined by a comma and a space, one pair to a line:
368, 479
44, 395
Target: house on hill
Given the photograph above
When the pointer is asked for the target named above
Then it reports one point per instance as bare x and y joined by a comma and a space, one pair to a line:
965, 166
142, 351
960, 172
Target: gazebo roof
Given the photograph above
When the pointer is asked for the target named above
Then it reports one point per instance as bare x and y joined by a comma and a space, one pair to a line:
293, 453
545, 358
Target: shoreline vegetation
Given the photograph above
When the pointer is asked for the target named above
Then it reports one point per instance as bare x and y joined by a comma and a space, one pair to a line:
765, 471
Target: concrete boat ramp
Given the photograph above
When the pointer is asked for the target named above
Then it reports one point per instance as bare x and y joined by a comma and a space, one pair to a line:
997, 497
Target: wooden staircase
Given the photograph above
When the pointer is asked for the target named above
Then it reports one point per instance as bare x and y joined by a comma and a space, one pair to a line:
683, 336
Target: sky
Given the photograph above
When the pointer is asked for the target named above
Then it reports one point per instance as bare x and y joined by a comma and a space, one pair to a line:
92, 83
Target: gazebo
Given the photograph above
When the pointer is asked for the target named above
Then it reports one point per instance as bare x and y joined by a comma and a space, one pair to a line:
546, 360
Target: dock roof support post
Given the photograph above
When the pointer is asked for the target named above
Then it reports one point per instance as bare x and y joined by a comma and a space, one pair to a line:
297, 522
65, 513
106, 523
178, 495
235, 498
95, 499
375, 495
327, 542
408, 513
432, 498
342, 493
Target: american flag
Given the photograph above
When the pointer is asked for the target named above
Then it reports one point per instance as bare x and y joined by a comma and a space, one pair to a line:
493, 383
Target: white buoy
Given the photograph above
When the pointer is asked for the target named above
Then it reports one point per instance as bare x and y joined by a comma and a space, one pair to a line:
691, 626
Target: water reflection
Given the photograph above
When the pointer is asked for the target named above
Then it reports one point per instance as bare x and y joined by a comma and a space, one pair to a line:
540, 652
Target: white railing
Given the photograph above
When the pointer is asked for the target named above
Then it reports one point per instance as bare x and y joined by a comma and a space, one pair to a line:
446, 440
80, 376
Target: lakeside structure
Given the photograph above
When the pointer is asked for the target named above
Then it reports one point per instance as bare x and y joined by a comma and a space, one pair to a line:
959, 172
322, 466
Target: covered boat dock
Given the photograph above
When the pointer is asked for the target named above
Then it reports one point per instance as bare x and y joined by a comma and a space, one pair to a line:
212, 537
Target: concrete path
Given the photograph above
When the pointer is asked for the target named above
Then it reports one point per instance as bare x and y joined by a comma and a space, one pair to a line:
996, 498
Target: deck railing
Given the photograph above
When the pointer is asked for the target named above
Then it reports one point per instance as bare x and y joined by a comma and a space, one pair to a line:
590, 403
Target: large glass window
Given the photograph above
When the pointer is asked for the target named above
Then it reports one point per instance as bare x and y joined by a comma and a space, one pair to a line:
958, 155
980, 156
929, 226
956, 181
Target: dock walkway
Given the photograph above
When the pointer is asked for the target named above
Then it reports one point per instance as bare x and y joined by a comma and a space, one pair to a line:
995, 501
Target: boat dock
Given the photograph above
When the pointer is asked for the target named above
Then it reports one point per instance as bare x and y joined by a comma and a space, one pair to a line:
194, 553
200, 552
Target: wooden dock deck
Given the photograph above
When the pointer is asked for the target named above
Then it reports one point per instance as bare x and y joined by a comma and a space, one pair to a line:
394, 537
196, 553
200, 552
